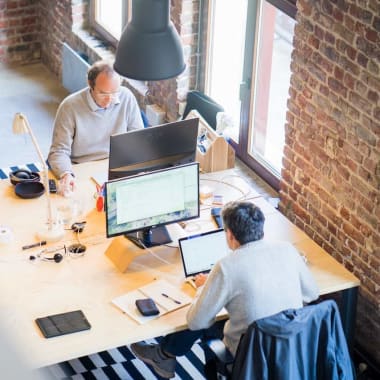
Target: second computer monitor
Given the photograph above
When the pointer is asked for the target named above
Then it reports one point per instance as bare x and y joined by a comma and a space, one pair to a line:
153, 148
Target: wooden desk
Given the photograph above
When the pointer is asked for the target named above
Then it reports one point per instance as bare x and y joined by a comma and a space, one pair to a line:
31, 289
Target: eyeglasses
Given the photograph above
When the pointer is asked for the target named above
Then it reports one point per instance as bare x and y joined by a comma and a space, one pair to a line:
106, 95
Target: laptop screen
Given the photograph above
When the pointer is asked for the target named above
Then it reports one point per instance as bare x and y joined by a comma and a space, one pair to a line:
200, 252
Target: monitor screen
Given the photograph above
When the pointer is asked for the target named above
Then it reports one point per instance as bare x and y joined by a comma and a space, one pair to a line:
143, 204
153, 148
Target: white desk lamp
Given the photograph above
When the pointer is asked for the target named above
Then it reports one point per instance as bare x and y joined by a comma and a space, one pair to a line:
53, 231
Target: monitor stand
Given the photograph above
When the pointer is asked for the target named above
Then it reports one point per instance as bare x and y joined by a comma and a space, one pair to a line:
150, 237
123, 250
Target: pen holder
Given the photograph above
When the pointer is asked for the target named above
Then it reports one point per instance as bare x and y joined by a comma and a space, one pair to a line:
213, 153
99, 198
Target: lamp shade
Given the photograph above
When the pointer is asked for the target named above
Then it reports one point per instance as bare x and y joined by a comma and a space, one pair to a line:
149, 47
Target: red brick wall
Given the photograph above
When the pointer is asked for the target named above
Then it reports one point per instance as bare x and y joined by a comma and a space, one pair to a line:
19, 32
58, 19
331, 174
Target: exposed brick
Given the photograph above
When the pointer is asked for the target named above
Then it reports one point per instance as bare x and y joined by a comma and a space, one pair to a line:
337, 86
343, 144
376, 23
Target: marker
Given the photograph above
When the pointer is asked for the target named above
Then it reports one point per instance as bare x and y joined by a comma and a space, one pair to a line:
34, 245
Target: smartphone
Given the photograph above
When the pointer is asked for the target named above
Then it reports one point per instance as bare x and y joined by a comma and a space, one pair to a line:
63, 323
216, 213
52, 186
147, 307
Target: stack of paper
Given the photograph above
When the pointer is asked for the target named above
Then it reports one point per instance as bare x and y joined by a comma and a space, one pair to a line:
166, 296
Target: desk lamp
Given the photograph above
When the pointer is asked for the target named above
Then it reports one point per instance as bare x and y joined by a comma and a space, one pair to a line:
53, 231
150, 47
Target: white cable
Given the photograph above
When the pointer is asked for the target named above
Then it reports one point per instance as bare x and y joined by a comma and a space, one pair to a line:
244, 194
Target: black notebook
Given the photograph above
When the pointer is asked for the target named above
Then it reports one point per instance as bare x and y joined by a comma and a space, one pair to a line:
64, 323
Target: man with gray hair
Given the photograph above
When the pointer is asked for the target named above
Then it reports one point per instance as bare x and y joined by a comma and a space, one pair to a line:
257, 279
86, 119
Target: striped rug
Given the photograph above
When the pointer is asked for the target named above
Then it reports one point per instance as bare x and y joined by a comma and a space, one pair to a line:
4, 172
120, 363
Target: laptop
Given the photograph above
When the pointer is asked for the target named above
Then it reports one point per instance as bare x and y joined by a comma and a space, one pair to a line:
200, 252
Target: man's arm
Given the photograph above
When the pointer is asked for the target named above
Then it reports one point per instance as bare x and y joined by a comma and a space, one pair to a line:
60, 149
309, 287
134, 118
212, 299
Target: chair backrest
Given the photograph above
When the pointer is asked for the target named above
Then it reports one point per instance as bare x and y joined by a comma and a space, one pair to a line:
206, 106
306, 343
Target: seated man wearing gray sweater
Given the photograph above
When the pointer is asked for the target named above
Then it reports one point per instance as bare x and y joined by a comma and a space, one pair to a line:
86, 119
257, 279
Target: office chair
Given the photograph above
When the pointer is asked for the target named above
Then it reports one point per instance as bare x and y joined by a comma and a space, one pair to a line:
306, 343
206, 106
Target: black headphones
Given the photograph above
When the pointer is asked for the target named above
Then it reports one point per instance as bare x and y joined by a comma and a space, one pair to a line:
23, 175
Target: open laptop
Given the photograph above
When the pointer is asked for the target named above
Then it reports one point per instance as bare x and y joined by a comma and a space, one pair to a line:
200, 252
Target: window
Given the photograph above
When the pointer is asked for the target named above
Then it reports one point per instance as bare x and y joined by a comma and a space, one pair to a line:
255, 50
224, 89
110, 17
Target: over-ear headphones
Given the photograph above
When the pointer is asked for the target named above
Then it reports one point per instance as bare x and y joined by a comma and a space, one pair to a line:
23, 175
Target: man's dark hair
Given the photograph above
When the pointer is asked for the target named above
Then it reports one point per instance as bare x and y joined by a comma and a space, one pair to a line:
245, 220
97, 68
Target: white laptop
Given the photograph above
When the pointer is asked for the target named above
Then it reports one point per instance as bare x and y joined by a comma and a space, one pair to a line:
200, 252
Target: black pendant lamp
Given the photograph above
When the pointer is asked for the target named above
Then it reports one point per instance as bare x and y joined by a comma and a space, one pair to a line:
149, 47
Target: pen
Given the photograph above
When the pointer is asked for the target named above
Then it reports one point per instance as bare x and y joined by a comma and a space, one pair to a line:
43, 242
174, 300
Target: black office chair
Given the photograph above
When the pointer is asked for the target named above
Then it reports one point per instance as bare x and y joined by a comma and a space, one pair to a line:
206, 106
306, 343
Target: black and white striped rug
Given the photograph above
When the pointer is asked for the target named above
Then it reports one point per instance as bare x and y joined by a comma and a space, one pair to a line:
34, 167
120, 363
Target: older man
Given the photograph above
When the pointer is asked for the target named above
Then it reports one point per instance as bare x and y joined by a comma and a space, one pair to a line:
86, 119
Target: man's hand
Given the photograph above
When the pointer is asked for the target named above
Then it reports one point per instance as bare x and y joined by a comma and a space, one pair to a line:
66, 185
200, 279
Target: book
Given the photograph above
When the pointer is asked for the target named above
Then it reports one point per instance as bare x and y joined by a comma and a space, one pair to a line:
166, 296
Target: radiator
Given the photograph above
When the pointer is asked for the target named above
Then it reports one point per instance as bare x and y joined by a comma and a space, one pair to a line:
74, 69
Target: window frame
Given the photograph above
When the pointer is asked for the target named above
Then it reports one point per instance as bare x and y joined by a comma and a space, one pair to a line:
126, 12
246, 90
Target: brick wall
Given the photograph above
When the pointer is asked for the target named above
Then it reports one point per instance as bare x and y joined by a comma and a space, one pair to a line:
59, 20
331, 175
19, 32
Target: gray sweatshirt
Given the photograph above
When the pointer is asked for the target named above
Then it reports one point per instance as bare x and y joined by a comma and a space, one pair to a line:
82, 129
257, 280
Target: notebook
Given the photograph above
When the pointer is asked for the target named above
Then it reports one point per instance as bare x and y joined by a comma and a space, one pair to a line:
200, 252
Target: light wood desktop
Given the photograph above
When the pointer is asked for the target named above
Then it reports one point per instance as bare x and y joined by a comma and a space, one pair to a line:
33, 288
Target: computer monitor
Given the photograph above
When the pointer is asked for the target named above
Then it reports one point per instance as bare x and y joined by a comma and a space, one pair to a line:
140, 206
153, 148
